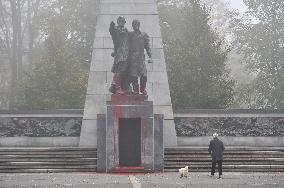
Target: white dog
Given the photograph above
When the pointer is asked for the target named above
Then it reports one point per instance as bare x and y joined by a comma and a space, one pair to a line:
183, 171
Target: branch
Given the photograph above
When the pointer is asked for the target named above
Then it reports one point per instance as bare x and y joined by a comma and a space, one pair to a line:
22, 3
36, 7
5, 31
4, 9
2, 45
24, 25
35, 10
39, 40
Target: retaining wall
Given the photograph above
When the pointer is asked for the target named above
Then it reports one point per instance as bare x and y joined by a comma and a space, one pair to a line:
237, 127
52, 128
194, 127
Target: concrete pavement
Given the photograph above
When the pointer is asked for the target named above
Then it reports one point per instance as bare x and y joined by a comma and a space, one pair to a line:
161, 180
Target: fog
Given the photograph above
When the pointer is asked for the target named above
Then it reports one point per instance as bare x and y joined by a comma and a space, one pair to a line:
46, 49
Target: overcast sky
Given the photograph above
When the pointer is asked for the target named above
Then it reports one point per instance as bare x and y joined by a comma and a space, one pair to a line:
238, 4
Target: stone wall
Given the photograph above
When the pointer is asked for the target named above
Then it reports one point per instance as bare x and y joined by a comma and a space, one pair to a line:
230, 126
194, 127
235, 127
185, 126
40, 128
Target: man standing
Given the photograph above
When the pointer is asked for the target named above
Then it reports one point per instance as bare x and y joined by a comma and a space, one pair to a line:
138, 41
216, 148
119, 36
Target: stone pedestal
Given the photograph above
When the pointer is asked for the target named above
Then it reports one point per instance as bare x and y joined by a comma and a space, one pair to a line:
123, 148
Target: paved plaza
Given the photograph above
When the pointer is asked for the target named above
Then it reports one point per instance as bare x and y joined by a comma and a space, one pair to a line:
161, 180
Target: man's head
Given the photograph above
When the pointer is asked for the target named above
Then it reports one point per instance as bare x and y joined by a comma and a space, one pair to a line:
121, 21
215, 135
135, 25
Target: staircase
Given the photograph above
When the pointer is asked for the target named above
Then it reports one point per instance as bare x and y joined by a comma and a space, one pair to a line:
254, 159
49, 160
45, 160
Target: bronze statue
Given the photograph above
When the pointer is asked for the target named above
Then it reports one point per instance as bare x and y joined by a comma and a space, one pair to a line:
138, 41
129, 58
119, 36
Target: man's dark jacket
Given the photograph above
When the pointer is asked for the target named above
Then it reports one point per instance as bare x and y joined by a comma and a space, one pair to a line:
216, 149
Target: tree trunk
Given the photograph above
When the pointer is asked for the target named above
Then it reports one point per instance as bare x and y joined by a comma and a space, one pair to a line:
32, 14
19, 42
13, 58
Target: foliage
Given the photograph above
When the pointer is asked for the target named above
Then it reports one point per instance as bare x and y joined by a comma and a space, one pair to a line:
15, 17
195, 57
57, 80
77, 19
260, 39
57, 75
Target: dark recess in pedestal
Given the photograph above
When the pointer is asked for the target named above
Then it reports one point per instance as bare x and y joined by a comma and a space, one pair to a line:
129, 142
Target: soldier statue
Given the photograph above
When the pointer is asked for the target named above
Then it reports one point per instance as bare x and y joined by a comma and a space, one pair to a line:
119, 36
138, 41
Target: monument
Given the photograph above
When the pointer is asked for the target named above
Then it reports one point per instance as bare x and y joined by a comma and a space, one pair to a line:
100, 75
129, 135
135, 110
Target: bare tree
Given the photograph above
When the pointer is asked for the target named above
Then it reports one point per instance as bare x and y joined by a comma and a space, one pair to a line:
16, 34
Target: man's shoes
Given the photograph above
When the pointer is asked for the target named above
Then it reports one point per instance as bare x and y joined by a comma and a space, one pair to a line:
219, 177
211, 176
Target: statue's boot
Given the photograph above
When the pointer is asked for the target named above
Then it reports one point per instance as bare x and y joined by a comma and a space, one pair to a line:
135, 88
117, 81
143, 88
135, 85
112, 88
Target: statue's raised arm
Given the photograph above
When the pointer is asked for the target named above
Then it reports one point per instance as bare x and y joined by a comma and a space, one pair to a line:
119, 35
147, 47
112, 31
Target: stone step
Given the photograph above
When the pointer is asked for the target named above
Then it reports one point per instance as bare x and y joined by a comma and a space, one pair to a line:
24, 163
44, 160
69, 166
47, 160
48, 156
228, 170
225, 152
265, 159
225, 159
49, 170
34, 159
52, 149
198, 148
130, 169
224, 156
46, 152
229, 166
188, 163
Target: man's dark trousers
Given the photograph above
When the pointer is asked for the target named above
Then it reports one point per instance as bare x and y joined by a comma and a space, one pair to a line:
219, 167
